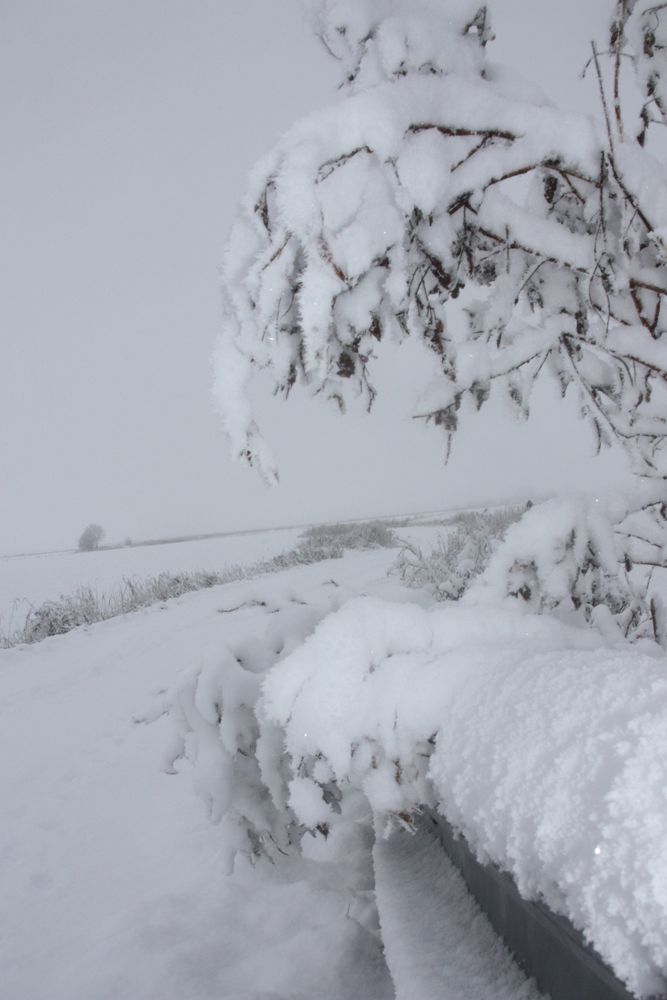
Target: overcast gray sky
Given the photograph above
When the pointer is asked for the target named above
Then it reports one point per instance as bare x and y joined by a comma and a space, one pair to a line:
127, 129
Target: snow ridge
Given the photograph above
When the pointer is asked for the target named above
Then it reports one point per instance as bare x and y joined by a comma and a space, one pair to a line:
437, 942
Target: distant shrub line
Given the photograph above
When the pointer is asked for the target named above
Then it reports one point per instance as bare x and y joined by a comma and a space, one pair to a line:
87, 606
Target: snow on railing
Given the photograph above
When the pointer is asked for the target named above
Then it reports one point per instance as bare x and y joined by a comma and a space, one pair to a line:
543, 743
547, 947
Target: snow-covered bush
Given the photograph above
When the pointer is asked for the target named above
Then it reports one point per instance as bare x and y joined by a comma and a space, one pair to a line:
445, 200
567, 556
494, 522
545, 744
87, 605
458, 558
238, 756
353, 535
58, 617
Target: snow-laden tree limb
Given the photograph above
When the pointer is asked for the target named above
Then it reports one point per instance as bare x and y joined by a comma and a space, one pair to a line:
434, 176
438, 177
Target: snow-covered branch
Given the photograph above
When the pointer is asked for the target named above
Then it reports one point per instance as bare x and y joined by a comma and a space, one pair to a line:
431, 182
439, 201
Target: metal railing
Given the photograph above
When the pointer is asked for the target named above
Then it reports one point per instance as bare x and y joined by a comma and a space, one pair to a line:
547, 947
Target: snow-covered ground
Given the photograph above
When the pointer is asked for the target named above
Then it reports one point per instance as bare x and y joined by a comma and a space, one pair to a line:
112, 874
27, 581
111, 878
115, 872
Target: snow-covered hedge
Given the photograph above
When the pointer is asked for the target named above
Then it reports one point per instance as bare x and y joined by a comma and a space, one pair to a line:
545, 744
458, 557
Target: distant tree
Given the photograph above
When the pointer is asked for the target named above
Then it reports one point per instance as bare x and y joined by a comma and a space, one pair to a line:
439, 177
91, 538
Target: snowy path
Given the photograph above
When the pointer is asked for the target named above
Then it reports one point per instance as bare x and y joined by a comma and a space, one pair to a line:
110, 873
437, 942
111, 876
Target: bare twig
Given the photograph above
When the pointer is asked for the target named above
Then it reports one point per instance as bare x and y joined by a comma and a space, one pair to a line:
603, 97
618, 45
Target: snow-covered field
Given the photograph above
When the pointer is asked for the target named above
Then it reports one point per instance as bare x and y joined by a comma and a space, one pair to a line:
112, 874
27, 581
